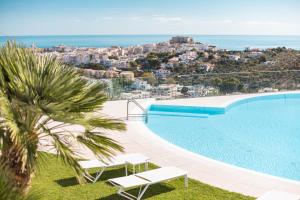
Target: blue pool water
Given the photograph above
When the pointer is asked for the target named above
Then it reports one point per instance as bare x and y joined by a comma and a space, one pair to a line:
261, 134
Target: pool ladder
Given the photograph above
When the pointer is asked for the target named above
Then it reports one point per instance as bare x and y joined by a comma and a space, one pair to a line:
144, 114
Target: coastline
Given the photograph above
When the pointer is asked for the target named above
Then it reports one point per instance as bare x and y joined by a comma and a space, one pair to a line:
230, 42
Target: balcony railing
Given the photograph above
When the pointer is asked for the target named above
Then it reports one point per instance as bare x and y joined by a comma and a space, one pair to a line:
215, 84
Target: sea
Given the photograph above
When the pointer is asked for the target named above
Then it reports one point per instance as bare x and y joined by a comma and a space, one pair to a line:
230, 42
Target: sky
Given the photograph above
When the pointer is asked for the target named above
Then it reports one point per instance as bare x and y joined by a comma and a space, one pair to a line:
217, 17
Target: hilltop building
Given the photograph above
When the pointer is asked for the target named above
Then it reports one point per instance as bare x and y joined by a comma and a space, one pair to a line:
181, 40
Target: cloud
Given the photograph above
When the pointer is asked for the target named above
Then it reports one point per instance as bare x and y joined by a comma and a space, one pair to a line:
106, 18
167, 19
77, 20
259, 22
226, 21
158, 15
175, 19
253, 22
135, 18
221, 21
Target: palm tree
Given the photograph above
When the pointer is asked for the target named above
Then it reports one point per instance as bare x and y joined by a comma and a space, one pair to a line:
41, 98
9, 191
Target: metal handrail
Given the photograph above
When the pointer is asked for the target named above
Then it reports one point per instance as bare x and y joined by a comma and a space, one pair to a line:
138, 105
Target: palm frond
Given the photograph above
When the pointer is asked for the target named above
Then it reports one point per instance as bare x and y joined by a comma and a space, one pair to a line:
40, 97
101, 145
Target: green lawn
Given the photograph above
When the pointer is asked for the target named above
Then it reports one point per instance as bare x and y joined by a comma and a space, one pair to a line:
57, 182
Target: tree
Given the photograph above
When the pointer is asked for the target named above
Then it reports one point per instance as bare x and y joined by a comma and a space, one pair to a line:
230, 85
170, 81
41, 99
153, 62
9, 191
134, 65
262, 59
94, 66
150, 78
210, 57
184, 90
113, 57
217, 82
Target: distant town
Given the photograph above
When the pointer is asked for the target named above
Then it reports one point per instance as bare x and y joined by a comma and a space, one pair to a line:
182, 67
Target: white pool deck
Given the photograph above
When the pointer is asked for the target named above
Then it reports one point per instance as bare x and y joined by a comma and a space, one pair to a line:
138, 138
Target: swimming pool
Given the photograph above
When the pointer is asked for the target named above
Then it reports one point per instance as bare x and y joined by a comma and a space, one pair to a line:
260, 133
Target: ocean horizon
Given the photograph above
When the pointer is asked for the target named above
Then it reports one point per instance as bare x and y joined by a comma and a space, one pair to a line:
230, 42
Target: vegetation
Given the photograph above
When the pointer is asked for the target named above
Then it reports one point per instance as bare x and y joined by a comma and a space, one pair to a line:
8, 191
57, 182
150, 78
40, 98
184, 90
170, 81
269, 68
118, 86
153, 60
94, 66
113, 57
133, 65
228, 85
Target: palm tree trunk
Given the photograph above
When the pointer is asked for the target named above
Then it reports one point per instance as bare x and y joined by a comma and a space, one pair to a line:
20, 176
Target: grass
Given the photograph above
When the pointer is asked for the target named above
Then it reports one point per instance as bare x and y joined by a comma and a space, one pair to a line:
57, 182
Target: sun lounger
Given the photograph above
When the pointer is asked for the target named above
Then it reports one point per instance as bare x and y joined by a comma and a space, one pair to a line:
278, 195
145, 179
133, 159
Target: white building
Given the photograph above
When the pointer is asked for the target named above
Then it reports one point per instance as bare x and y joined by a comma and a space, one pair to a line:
181, 39
140, 85
234, 57
119, 64
165, 91
162, 73
201, 47
82, 59
255, 54
136, 94
149, 47
189, 55
127, 75
208, 66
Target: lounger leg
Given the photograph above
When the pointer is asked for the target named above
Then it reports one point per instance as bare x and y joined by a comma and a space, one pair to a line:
146, 166
88, 177
99, 174
126, 171
126, 195
133, 169
186, 181
120, 190
143, 192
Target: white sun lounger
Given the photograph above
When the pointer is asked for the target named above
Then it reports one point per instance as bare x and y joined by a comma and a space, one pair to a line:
134, 158
145, 179
278, 195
